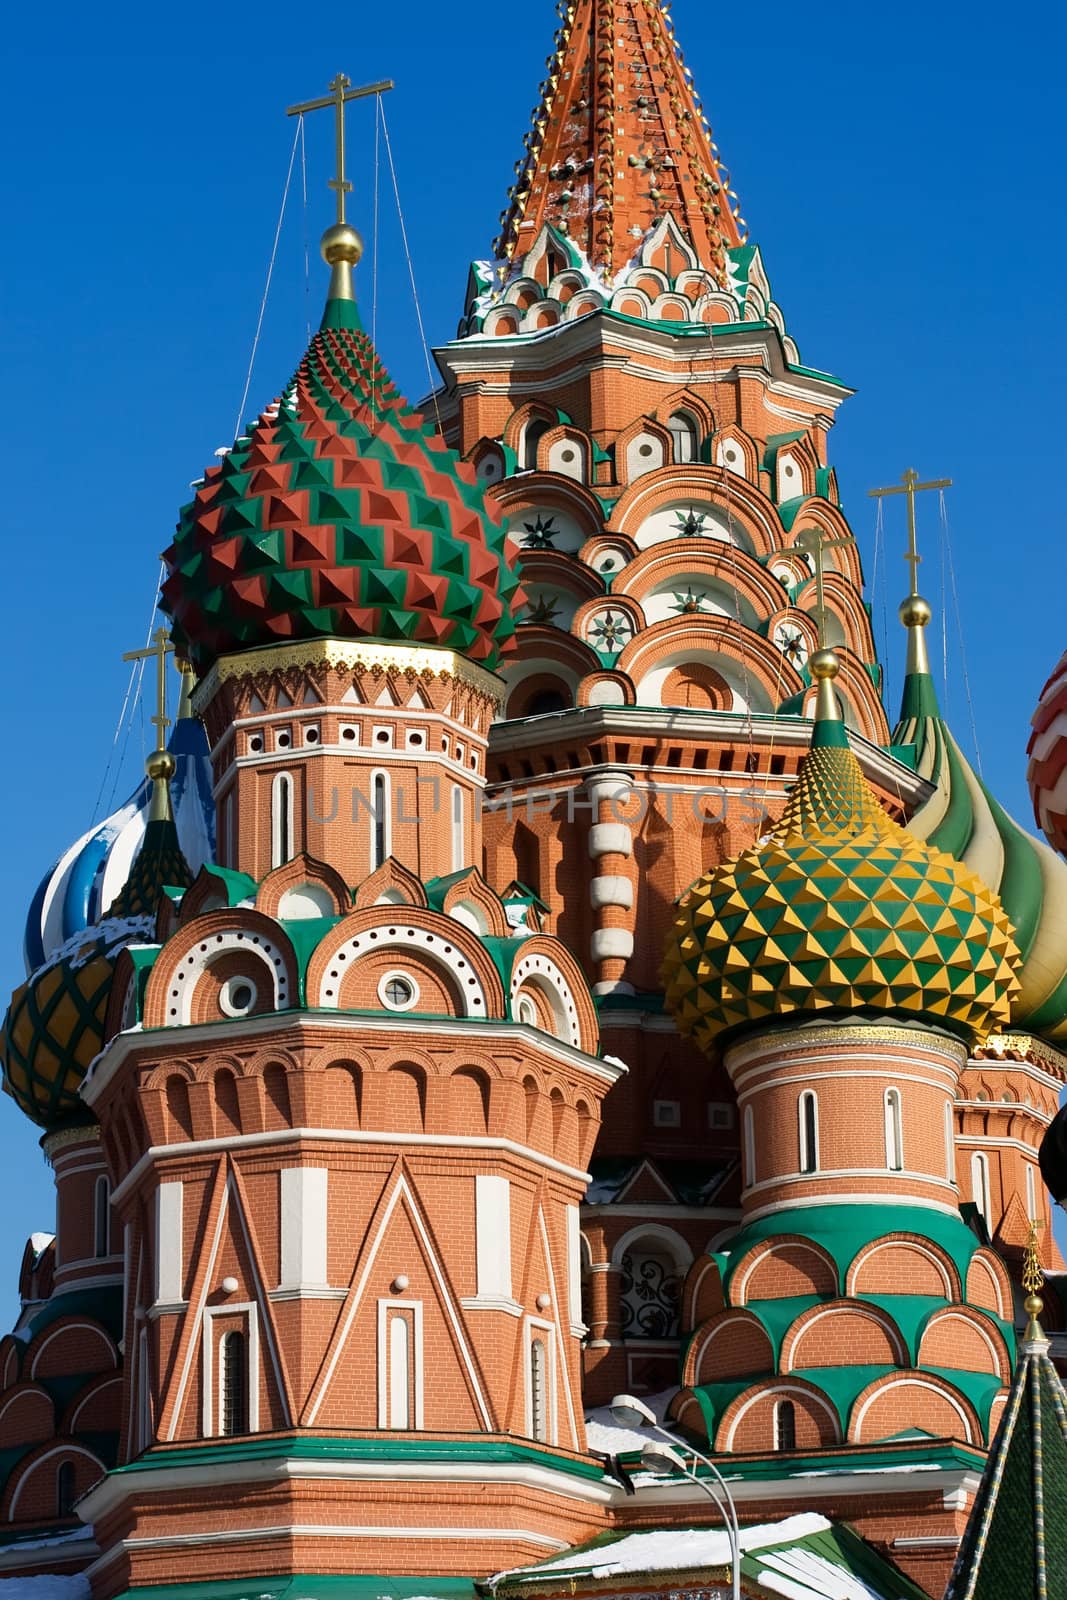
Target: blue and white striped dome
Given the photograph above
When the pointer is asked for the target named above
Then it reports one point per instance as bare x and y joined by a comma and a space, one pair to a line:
77, 891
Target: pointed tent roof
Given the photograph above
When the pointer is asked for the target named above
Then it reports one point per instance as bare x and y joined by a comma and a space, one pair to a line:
963, 818
1016, 1540
619, 141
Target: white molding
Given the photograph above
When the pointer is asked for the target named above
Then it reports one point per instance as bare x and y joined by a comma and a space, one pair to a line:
304, 1215
477, 1302
448, 1141
323, 1292
822, 1173
415, 1370
492, 1237
111, 1491
858, 1198
297, 1530
775, 1080
170, 1247
492, 1030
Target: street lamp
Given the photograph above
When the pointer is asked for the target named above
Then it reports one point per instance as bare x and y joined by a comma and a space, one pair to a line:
670, 1457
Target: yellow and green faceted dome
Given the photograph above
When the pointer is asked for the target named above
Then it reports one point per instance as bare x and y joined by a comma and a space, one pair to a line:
838, 909
340, 514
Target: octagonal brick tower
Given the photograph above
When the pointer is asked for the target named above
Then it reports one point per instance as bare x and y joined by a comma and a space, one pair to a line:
348, 1091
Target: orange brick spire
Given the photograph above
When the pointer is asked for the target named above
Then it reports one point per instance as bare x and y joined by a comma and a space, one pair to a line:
619, 141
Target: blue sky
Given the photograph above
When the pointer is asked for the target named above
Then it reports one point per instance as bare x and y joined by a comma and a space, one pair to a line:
900, 167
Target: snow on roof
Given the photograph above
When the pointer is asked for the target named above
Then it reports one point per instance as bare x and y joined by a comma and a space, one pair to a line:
613, 1438
672, 1550
47, 1541
803, 1575
40, 1241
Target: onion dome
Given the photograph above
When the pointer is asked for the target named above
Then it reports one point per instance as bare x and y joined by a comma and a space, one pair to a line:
78, 891
1047, 771
341, 513
54, 1026
838, 909
963, 818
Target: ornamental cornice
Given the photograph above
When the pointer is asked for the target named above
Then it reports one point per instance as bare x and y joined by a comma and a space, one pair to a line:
813, 1035
65, 1138
357, 655
1001, 1046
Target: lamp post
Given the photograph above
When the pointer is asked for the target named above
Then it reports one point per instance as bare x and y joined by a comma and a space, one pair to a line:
670, 1457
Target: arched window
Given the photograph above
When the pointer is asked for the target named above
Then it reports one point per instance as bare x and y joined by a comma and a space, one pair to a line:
459, 843
538, 1391
684, 437
785, 1425
233, 1384
102, 1218
748, 1124
379, 850
281, 819
980, 1186
535, 432
950, 1142
65, 1490
808, 1110
894, 1133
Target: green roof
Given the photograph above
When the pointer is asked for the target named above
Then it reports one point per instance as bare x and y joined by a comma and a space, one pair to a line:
1015, 1547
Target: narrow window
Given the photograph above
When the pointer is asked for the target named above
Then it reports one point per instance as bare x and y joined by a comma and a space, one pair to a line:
233, 1385
535, 432
281, 819
459, 847
1031, 1193
894, 1138
785, 1425
809, 1132
750, 1148
538, 1391
399, 1373
950, 1142
379, 820
102, 1218
980, 1186
65, 1490
683, 437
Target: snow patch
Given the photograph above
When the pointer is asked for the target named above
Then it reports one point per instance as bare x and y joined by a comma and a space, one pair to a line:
674, 1550
611, 1438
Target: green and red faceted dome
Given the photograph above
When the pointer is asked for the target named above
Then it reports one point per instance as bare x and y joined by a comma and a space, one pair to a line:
340, 514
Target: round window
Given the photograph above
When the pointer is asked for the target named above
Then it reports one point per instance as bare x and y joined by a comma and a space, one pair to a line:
348, 733
238, 996
255, 744
311, 736
645, 450
284, 741
568, 455
398, 991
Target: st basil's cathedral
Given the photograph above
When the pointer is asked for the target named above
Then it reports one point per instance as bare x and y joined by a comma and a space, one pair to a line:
544, 1080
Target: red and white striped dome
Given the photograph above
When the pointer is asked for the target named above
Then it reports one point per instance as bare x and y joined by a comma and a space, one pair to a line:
1047, 771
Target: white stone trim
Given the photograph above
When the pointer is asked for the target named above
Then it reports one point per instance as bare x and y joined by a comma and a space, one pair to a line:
611, 890
492, 1230
857, 1197
304, 1215
608, 943
286, 1136
170, 1250
405, 936
610, 838
541, 972
200, 958
211, 1404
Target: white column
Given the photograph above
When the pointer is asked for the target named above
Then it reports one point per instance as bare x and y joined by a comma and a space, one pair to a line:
170, 1264
492, 1205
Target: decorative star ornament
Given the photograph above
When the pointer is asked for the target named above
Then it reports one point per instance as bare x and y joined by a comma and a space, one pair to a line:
610, 630
690, 523
543, 610
690, 602
792, 643
539, 534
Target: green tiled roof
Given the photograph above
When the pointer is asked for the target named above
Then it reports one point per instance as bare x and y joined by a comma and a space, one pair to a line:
1015, 1547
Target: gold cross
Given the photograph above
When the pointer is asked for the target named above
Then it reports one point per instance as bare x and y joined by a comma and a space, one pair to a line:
341, 92
161, 648
911, 486
815, 542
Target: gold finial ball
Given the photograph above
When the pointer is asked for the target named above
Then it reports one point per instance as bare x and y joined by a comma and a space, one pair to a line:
1033, 1305
341, 243
915, 612
161, 766
824, 664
